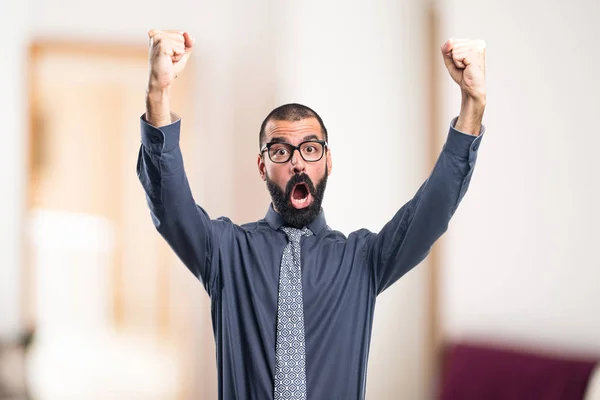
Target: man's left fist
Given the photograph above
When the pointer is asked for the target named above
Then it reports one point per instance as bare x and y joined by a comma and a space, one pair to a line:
465, 60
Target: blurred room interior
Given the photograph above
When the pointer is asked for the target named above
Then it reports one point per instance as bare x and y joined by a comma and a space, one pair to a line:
94, 304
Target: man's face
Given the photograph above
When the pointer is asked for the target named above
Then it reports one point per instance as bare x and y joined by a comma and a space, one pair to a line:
296, 186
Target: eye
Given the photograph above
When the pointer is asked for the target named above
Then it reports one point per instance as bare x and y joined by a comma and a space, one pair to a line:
279, 151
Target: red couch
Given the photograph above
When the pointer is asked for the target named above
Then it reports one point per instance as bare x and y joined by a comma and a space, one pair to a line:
479, 372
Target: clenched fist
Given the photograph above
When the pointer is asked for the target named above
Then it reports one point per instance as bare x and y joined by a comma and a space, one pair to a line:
465, 60
168, 54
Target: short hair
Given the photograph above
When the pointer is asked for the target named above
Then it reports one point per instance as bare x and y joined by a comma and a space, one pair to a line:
290, 112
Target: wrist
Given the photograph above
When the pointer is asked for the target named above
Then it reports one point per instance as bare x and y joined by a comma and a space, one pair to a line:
157, 94
158, 110
471, 114
473, 102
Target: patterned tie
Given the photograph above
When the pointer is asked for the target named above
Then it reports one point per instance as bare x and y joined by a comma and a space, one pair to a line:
290, 373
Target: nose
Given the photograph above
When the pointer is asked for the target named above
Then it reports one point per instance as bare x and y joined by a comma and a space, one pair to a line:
297, 162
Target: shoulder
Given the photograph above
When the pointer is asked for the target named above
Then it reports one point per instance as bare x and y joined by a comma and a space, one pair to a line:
332, 234
246, 227
250, 227
230, 232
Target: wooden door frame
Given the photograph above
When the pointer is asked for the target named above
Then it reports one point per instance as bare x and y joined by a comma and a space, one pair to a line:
36, 50
434, 340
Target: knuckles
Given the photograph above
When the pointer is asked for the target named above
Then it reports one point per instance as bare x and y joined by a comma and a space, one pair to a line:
164, 39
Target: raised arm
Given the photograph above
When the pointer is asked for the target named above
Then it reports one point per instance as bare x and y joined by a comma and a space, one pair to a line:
184, 225
407, 238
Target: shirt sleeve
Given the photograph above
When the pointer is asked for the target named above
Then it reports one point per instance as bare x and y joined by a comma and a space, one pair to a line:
185, 226
407, 239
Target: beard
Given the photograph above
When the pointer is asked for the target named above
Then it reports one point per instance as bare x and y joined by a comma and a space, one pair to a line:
297, 218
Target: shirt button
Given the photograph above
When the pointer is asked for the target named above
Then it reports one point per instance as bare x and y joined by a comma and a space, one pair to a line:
154, 139
475, 146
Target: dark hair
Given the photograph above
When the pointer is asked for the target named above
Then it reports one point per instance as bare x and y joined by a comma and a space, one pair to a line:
290, 112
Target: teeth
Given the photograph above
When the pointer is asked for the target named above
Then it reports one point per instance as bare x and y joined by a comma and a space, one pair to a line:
301, 200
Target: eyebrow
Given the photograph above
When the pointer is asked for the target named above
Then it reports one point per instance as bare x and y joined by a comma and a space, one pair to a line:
279, 139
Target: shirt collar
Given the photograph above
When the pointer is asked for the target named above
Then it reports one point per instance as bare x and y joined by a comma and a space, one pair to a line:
276, 221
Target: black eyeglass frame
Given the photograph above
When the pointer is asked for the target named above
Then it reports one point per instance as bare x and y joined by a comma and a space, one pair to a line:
267, 147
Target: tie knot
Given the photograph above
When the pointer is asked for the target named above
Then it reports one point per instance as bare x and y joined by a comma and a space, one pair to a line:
294, 234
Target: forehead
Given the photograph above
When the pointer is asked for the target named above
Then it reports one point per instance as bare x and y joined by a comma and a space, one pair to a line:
293, 130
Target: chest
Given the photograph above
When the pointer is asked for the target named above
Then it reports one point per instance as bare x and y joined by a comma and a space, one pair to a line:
333, 274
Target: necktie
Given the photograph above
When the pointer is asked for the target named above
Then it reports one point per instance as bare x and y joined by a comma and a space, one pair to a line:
290, 373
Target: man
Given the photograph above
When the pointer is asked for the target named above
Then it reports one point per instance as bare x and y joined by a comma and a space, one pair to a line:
293, 300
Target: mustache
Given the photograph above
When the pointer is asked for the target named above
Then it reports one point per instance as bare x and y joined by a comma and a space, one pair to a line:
299, 178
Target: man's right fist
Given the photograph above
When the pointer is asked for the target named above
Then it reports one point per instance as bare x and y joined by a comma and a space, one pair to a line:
169, 52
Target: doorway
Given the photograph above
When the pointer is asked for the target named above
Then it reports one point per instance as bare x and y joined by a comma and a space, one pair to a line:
98, 278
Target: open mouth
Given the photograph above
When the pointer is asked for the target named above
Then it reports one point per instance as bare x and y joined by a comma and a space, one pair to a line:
300, 197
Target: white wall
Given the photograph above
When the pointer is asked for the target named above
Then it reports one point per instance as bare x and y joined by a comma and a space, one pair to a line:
521, 263
13, 28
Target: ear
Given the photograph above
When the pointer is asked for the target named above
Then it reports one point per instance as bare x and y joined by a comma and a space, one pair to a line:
329, 164
262, 168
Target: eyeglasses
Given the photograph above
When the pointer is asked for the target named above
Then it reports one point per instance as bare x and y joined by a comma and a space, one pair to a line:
281, 152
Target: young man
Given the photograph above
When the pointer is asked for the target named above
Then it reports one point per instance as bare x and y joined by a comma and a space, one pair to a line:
293, 300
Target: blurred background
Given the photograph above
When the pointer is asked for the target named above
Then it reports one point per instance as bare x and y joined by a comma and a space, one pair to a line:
93, 304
